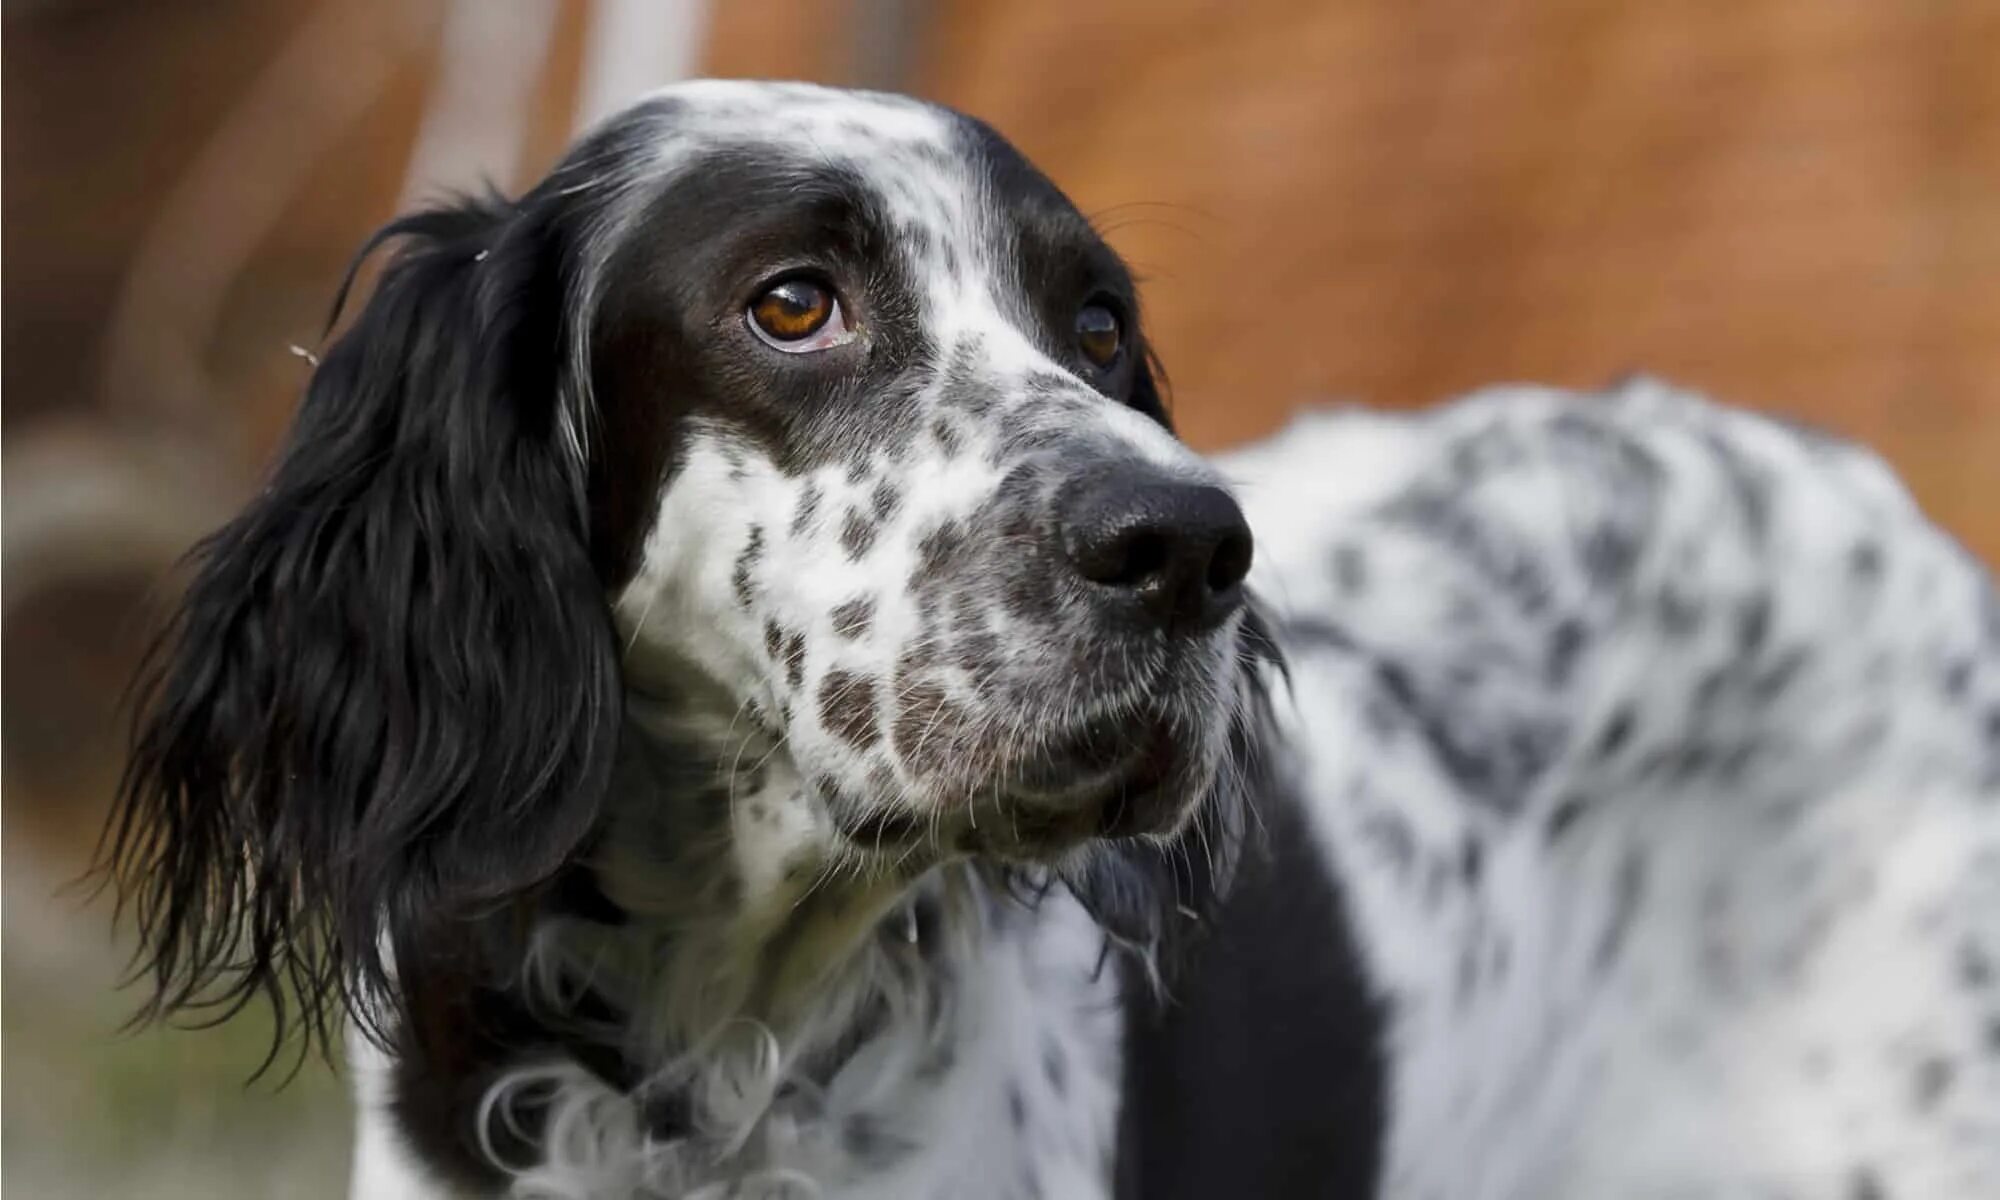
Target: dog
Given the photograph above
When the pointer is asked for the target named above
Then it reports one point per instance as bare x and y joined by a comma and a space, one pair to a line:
733, 688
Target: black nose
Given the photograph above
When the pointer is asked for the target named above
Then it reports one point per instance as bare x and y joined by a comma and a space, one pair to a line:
1177, 550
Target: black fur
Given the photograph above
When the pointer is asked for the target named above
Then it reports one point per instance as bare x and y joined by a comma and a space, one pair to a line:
390, 699
1266, 1041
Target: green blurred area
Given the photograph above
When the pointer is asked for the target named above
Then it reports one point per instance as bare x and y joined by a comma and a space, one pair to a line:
165, 1114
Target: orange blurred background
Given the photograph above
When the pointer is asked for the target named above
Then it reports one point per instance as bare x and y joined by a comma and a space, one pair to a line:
1791, 204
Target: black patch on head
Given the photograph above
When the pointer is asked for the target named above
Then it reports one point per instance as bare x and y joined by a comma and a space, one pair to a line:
857, 534
853, 618
670, 310
847, 708
1017, 1105
1058, 263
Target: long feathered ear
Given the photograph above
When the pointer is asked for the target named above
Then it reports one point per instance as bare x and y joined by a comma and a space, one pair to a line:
389, 700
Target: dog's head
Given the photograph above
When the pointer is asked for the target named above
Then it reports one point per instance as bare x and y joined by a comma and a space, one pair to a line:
823, 414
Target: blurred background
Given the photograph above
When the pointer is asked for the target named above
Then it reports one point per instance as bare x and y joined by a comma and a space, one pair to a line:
1793, 204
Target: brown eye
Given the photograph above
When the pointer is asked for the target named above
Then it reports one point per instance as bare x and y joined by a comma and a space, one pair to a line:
1098, 334
799, 315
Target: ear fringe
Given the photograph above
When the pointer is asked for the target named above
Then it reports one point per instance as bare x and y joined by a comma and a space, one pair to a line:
389, 701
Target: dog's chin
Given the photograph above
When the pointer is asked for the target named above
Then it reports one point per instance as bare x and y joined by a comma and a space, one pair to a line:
1148, 788
1045, 811
1135, 766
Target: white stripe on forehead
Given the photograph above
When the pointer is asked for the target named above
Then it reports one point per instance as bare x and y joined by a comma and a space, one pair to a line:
865, 131
819, 122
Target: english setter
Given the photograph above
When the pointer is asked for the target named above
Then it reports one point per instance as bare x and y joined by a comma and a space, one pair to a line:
733, 689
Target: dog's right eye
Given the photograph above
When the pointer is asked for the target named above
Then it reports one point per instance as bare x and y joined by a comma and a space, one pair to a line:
798, 316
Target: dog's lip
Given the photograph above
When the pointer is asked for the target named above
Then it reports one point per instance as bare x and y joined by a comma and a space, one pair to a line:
1122, 803
1079, 786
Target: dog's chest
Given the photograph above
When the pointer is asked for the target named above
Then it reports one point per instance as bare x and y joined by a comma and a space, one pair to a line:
1019, 1102
1011, 1095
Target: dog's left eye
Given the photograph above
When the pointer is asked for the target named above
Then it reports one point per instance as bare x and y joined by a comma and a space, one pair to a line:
799, 316
1098, 334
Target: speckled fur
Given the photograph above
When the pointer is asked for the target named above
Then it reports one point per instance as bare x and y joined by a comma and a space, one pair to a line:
1655, 746
1658, 746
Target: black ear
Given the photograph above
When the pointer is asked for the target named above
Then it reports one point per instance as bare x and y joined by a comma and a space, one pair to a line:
389, 700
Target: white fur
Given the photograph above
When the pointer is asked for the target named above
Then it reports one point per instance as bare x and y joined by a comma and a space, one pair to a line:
1787, 989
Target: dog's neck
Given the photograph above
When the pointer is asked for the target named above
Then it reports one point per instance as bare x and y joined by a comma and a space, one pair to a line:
740, 906
792, 1014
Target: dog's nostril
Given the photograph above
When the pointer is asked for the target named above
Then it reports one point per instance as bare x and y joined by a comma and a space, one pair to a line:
1230, 562
1132, 560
